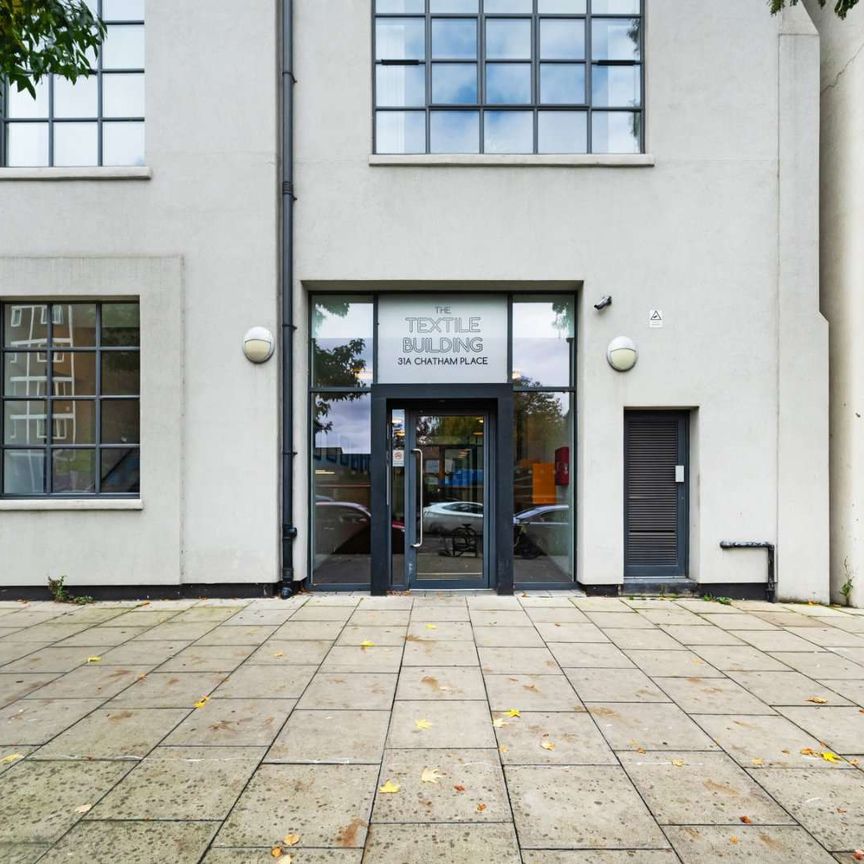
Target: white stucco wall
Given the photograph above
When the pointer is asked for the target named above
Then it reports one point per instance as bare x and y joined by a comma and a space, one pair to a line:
842, 276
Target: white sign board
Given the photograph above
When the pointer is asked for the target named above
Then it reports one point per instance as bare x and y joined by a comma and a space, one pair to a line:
655, 318
442, 339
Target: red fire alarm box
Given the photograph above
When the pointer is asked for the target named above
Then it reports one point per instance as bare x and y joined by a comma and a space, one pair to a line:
562, 466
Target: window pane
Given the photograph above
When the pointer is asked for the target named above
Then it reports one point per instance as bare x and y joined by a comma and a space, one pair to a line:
27, 145
25, 423
542, 337
455, 132
507, 6
562, 132
121, 373
123, 10
123, 95
509, 131
76, 144
342, 342
562, 83
74, 325
563, 7
616, 86
454, 39
508, 40
120, 421
122, 143
25, 374
508, 83
73, 471
400, 86
400, 6
341, 486
454, 83
76, 100
24, 472
123, 47
400, 39
120, 324
453, 6
542, 497
400, 132
73, 421
25, 325
74, 373
22, 104
615, 7
615, 39
562, 39
120, 470
617, 132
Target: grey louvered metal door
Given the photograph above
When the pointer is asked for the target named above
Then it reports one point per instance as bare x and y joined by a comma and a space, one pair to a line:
656, 479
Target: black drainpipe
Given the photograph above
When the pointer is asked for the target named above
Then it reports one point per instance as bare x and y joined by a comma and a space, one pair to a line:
289, 530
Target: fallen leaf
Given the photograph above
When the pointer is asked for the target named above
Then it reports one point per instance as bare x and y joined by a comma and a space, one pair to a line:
512, 712
842, 810
202, 701
422, 724
481, 808
276, 852
143, 603
817, 700
278, 653
758, 763
855, 762
678, 763
459, 787
828, 756
291, 839
503, 749
367, 644
12, 757
84, 808
498, 722
858, 855
431, 626
389, 788
733, 840
548, 745
430, 775
808, 751
94, 659
746, 820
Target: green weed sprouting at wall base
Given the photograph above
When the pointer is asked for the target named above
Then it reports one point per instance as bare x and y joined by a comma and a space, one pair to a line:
60, 594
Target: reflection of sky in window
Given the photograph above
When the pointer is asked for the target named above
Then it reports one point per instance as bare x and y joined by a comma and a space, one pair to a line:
400, 86
541, 351
453, 6
563, 7
454, 39
351, 424
615, 7
508, 40
492, 6
562, 39
356, 322
400, 132
616, 132
509, 131
612, 40
455, 132
508, 83
397, 6
400, 39
562, 83
616, 86
562, 132
454, 83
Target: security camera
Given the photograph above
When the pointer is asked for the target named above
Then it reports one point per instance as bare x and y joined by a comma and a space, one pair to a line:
605, 301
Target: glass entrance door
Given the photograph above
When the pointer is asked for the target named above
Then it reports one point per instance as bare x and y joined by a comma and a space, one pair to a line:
440, 501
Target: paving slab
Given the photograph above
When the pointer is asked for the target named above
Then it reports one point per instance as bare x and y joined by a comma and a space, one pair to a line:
10, 651
648, 726
439, 613
455, 844
440, 683
556, 807
537, 661
207, 658
787, 688
614, 685
105, 636
50, 631
169, 690
738, 621
277, 652
851, 690
141, 617
14, 686
153, 842
638, 638
256, 615
137, 653
360, 658
840, 728
775, 640
342, 737
553, 631
739, 658
327, 805
41, 801
684, 788
746, 844
822, 666
690, 635
428, 652
318, 612
674, 617
499, 618
357, 635
556, 615
349, 690
171, 632
298, 856
226, 634
21, 853
624, 620
385, 617
447, 631
600, 856
675, 664
54, 658
307, 631
35, 721
453, 724
206, 613
233, 722
782, 617
551, 738
181, 783
590, 656
531, 693
509, 637
712, 696
467, 786
265, 682
95, 681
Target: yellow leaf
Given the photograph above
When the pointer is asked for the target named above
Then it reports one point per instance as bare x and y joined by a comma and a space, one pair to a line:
734, 840
12, 757
389, 788
430, 775
367, 644
758, 763
746, 820
84, 808
808, 751
276, 852
828, 756
678, 763
202, 701
431, 626
547, 745
422, 724
817, 700
513, 712
498, 722
504, 749
93, 659
291, 839
278, 653
481, 808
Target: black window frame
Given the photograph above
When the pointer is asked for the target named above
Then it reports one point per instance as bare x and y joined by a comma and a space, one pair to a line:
48, 349
99, 120
482, 106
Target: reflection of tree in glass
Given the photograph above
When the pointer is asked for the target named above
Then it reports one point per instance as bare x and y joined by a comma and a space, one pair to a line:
451, 429
539, 419
634, 32
340, 366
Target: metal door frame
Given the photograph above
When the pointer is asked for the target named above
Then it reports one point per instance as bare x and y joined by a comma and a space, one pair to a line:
662, 571
493, 400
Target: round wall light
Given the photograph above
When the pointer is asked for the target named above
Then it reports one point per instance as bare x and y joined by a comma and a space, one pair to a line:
258, 345
622, 354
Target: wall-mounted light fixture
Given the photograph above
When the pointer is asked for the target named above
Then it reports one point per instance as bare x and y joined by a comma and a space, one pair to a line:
622, 354
258, 345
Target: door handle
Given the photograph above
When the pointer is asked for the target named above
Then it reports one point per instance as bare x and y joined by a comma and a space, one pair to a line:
419, 481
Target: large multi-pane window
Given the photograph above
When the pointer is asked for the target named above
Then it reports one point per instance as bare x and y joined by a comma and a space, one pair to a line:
508, 76
70, 419
98, 120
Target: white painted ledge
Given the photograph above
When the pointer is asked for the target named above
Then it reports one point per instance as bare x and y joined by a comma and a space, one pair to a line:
67, 504
588, 160
130, 173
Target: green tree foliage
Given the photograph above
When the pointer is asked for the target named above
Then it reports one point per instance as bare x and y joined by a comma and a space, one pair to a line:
841, 7
41, 37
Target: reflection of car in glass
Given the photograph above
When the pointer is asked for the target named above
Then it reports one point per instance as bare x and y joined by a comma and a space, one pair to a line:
546, 528
345, 528
446, 517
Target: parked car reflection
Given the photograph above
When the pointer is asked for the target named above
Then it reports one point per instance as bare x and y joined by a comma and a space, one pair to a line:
345, 528
544, 530
446, 517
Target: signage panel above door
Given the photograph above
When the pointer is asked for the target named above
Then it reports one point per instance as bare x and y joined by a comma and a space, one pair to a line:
442, 339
